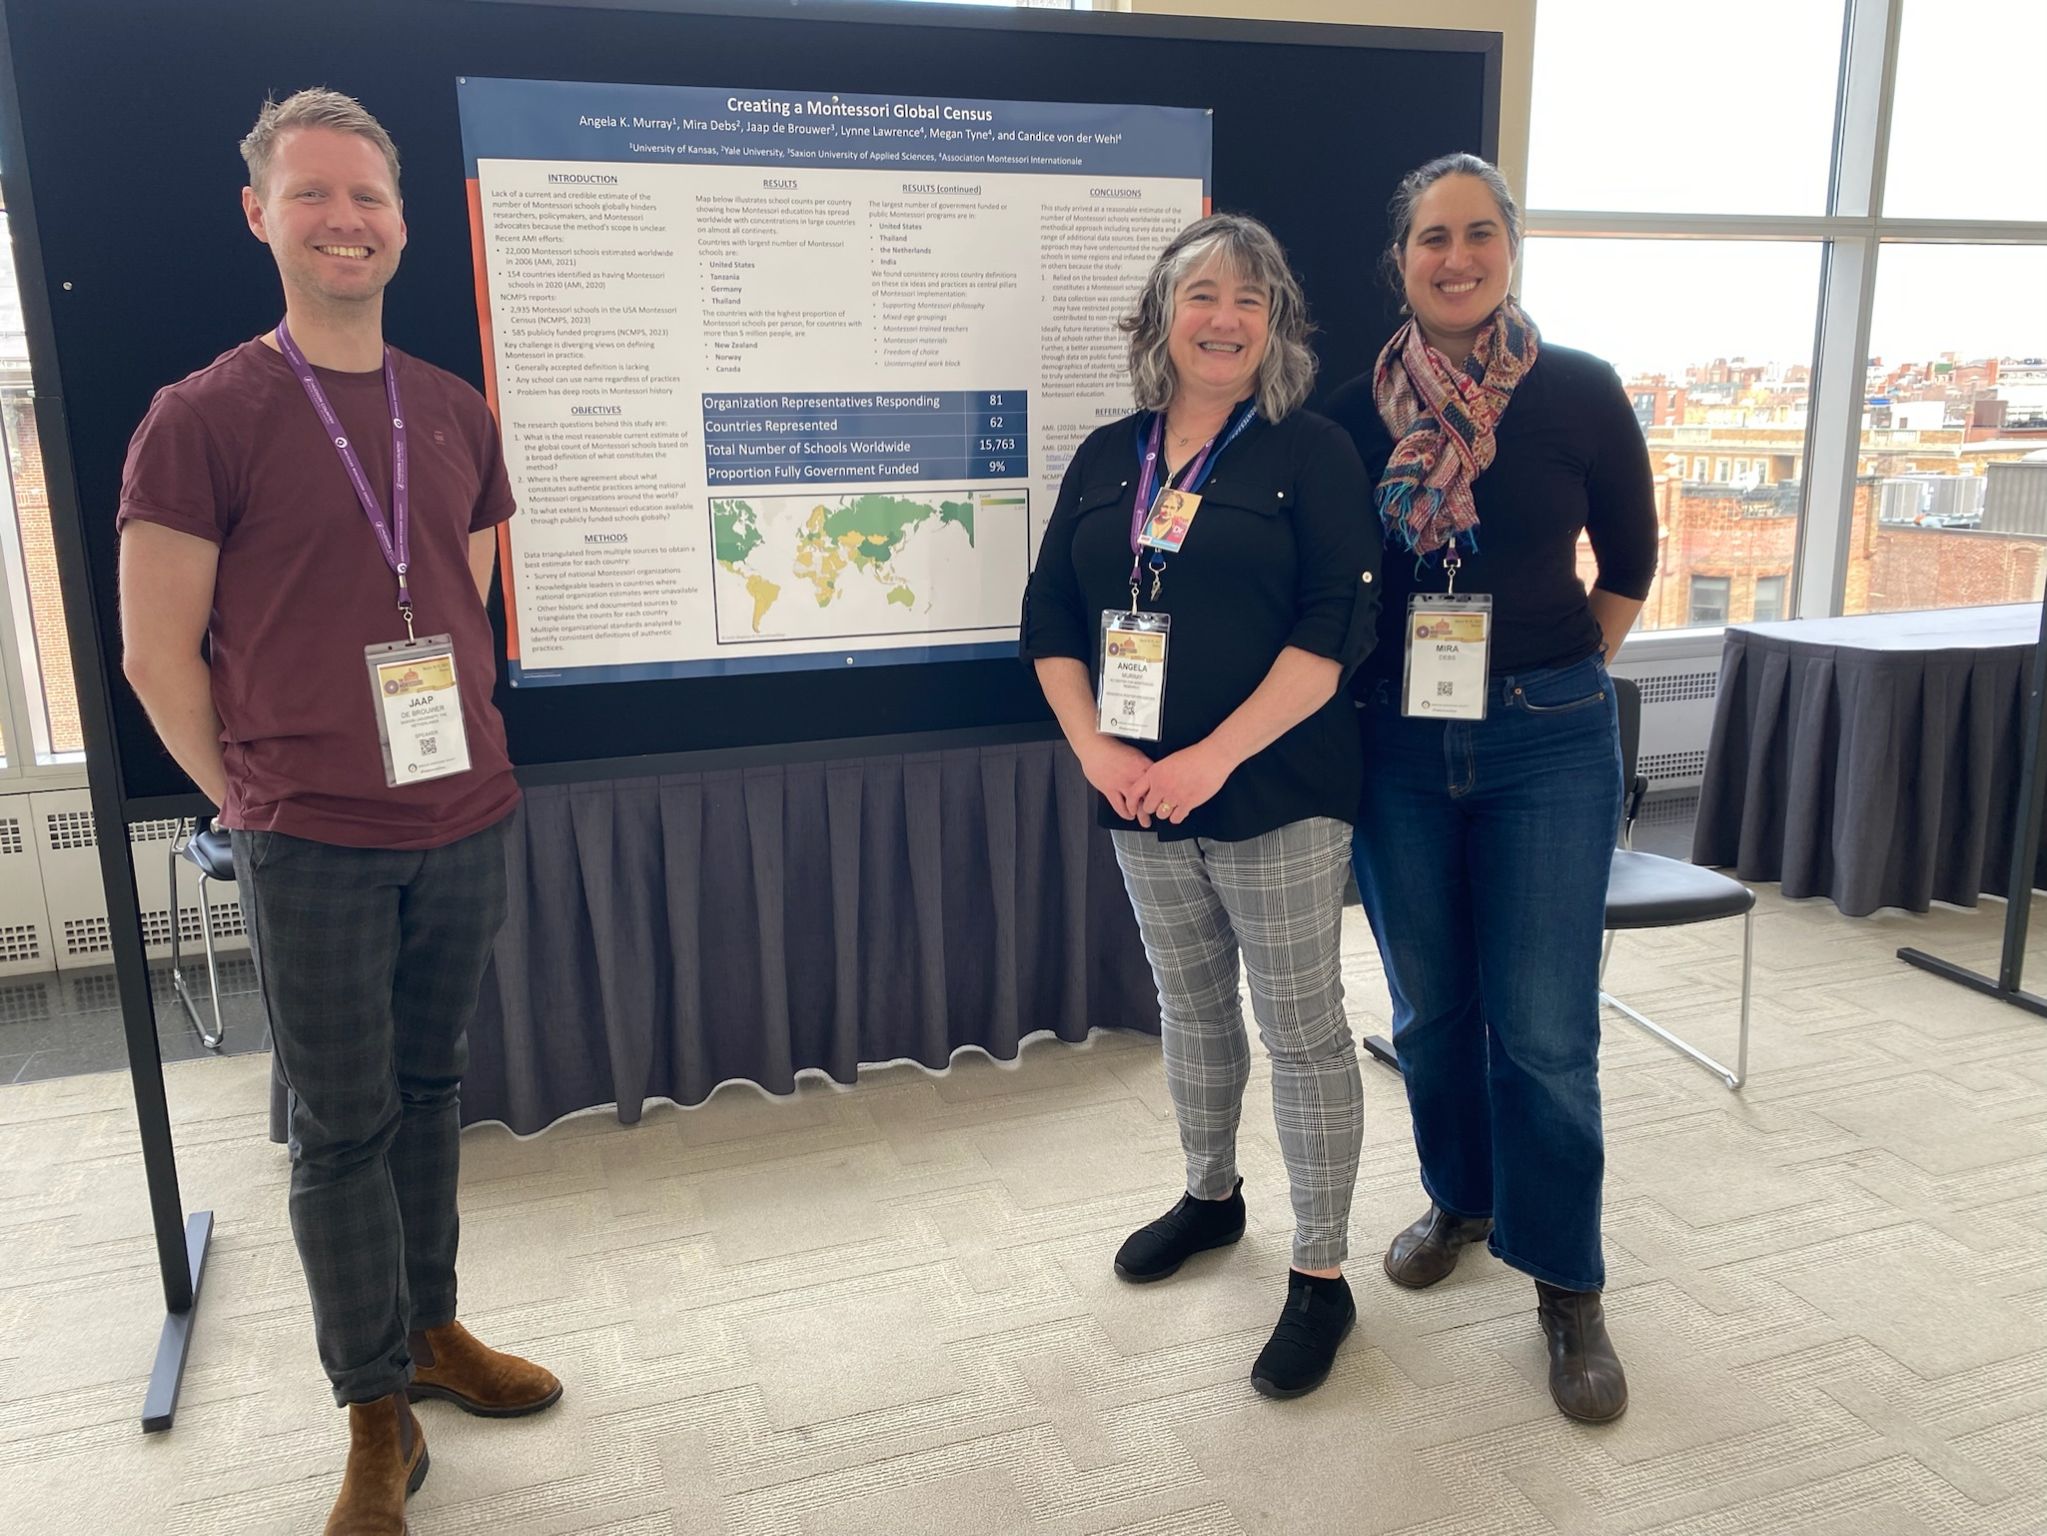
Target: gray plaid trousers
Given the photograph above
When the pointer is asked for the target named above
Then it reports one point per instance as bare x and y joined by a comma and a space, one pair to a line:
369, 960
1277, 900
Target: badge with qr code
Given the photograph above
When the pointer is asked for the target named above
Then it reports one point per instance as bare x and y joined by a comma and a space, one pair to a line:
418, 704
1130, 693
1447, 638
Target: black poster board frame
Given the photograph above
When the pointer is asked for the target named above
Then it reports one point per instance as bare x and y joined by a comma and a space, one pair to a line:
109, 713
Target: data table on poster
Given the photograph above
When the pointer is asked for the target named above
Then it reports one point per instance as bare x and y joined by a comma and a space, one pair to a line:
789, 380
949, 435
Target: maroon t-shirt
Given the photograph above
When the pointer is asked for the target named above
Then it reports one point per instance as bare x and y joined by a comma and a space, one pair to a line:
234, 454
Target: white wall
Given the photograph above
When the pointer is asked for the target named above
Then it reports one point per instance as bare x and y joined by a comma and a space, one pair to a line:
1513, 19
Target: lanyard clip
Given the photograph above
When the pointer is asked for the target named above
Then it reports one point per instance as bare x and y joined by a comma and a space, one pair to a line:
405, 609
1451, 566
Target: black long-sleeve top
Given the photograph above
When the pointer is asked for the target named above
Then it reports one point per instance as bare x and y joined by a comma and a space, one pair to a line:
1284, 551
1569, 458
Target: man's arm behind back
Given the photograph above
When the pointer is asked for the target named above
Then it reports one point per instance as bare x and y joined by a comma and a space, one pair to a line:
166, 600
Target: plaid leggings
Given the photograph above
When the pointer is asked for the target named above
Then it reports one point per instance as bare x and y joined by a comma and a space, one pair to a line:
1279, 900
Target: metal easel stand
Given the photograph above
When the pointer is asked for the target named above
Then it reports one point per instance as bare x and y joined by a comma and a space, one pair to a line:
2025, 849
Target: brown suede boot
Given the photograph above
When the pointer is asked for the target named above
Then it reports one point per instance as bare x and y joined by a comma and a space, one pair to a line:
386, 1462
449, 1362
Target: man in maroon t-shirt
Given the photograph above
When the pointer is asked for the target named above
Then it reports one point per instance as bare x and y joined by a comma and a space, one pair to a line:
322, 510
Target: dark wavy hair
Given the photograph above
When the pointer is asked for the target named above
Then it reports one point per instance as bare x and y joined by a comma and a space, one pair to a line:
1400, 212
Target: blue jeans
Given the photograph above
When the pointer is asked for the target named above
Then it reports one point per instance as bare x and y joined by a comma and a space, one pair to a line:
1482, 851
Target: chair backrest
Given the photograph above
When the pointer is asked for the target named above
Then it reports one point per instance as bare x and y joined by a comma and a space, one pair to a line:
1627, 696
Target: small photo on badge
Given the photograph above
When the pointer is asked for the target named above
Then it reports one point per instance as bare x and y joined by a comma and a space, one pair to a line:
1169, 521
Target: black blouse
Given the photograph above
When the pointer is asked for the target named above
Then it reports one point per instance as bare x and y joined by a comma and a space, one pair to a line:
1569, 458
1284, 551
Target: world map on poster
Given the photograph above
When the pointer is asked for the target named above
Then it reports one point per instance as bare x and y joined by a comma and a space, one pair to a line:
826, 566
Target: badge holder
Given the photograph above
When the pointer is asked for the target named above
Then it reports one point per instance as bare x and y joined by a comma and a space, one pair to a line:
1447, 639
1130, 699
418, 704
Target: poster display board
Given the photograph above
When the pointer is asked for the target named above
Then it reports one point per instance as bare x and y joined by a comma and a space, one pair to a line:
788, 379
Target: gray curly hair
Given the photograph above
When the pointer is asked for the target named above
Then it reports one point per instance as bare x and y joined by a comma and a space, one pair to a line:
1245, 247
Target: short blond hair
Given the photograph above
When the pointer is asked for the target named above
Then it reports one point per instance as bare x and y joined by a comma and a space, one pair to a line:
316, 107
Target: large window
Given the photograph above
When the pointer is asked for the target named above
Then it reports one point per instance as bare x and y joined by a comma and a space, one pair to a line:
39, 727
1951, 479
1826, 304
1676, 108
1725, 371
1966, 127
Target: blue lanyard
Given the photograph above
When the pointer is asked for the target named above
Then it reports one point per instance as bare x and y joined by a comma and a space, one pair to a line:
1151, 484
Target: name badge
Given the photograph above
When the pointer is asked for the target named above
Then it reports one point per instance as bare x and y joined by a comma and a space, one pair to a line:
418, 704
1131, 696
1447, 639
1171, 516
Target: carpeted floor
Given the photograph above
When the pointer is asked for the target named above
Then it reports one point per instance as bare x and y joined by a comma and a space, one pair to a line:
890, 1309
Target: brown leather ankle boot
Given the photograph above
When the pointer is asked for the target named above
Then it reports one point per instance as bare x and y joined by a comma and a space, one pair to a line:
451, 1363
1585, 1375
386, 1462
1428, 1250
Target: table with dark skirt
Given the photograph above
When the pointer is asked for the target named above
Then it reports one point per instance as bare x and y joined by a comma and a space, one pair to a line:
670, 933
1871, 760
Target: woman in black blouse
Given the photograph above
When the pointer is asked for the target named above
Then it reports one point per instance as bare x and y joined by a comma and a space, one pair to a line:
1205, 586
1492, 788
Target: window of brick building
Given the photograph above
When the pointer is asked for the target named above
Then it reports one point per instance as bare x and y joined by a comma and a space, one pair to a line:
1769, 598
1709, 601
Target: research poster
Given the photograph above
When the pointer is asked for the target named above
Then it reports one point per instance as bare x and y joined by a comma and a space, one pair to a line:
788, 379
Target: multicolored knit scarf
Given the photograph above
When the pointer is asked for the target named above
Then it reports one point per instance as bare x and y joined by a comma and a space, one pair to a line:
1442, 417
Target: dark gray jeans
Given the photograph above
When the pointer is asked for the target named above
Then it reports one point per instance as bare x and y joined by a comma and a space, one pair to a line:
369, 961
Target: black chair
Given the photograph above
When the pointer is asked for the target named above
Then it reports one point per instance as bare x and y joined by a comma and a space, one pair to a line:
210, 853
1650, 891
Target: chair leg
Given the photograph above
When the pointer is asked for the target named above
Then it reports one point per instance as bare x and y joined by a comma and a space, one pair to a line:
1732, 1077
211, 1042
1748, 963
179, 989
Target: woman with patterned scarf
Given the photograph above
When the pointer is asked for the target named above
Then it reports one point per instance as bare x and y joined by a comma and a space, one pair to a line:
1492, 783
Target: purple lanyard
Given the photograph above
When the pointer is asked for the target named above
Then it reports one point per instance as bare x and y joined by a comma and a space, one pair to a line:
394, 536
1149, 485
